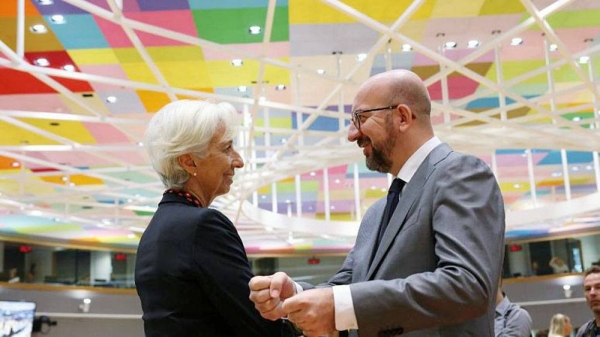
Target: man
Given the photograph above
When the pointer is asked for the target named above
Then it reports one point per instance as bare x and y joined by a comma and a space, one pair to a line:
511, 320
591, 289
435, 270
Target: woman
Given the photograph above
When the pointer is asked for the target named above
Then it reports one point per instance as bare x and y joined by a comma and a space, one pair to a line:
560, 326
192, 271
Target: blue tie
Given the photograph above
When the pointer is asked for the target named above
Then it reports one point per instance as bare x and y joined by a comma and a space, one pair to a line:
390, 206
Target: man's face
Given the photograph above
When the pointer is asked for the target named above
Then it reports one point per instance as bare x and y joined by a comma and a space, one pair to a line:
591, 289
376, 139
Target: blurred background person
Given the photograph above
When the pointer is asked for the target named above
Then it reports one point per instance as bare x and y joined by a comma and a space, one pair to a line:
591, 290
192, 271
560, 326
558, 265
511, 320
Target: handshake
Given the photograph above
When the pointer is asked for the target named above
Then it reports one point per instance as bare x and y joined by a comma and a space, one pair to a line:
311, 311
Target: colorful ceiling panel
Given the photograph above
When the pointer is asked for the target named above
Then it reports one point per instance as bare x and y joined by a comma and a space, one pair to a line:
514, 82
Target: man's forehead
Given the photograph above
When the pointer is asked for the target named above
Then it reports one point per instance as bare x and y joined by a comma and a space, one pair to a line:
592, 279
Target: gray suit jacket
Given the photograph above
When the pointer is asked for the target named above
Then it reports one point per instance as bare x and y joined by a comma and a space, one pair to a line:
437, 267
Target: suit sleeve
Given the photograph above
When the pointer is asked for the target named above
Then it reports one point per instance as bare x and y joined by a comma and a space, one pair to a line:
462, 211
220, 256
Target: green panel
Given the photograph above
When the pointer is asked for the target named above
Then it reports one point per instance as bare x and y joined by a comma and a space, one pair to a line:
231, 25
290, 186
511, 69
566, 73
499, 7
575, 19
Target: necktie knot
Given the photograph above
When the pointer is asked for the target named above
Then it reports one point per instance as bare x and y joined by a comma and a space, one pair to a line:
396, 186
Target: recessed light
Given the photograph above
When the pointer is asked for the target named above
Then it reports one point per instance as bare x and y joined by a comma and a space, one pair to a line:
38, 29
111, 99
69, 67
42, 62
361, 57
473, 44
54, 123
576, 119
450, 45
254, 30
280, 87
242, 88
516, 41
45, 2
584, 59
553, 47
58, 19
406, 47
237, 62
15, 164
320, 71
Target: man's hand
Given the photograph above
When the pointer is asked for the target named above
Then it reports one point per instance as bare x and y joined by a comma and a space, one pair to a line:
312, 311
268, 293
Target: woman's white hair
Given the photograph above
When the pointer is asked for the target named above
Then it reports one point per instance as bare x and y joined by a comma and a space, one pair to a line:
185, 126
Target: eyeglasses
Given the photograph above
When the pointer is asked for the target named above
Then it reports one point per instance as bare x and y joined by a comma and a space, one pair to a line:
357, 119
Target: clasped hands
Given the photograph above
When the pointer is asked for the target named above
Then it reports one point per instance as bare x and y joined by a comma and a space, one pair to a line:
312, 311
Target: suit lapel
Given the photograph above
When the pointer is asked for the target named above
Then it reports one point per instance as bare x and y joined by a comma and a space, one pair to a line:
412, 190
364, 252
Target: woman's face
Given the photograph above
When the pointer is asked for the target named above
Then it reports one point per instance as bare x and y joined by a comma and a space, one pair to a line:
215, 171
568, 326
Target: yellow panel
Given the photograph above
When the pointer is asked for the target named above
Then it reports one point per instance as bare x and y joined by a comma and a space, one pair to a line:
185, 74
128, 55
281, 122
335, 216
497, 7
74, 131
93, 56
153, 101
9, 186
315, 11
77, 179
139, 72
13, 135
95, 103
457, 8
176, 53
513, 69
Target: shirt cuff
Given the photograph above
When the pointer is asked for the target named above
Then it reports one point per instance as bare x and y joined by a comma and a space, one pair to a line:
298, 288
345, 318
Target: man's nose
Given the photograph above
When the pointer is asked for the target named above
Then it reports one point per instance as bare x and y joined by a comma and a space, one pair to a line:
353, 133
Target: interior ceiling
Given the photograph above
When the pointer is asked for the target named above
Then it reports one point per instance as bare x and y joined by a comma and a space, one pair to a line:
72, 169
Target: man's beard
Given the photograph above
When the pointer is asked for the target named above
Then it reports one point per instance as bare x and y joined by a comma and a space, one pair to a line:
379, 159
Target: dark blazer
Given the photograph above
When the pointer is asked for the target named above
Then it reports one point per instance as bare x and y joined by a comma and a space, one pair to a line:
437, 267
192, 275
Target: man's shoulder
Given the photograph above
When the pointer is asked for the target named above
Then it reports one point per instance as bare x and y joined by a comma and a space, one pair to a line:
584, 327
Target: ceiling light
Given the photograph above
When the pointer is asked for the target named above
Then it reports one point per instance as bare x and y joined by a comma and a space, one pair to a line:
576, 119
38, 29
237, 62
57, 18
242, 88
313, 173
262, 99
280, 87
516, 185
361, 57
516, 41
15, 164
45, 2
320, 71
473, 44
111, 99
254, 30
406, 47
69, 67
584, 59
553, 47
42, 62
131, 236
450, 45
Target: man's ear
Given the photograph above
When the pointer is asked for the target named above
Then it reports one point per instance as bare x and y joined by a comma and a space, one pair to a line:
187, 162
406, 117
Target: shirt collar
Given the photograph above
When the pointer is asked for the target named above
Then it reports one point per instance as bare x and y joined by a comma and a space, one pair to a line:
412, 164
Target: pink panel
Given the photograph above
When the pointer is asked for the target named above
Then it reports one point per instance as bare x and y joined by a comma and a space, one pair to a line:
274, 50
106, 134
33, 102
459, 86
111, 71
113, 33
180, 21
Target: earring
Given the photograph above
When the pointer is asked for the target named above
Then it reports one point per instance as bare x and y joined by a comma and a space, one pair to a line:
195, 174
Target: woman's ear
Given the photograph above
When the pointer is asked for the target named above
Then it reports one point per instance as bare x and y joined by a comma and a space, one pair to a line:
187, 162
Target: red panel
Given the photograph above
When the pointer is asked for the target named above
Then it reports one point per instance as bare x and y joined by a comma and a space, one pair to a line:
459, 86
21, 83
57, 60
